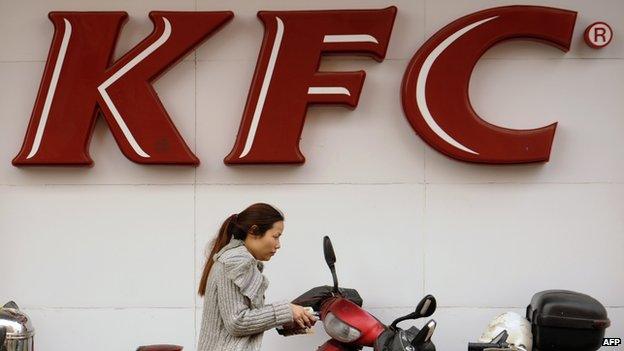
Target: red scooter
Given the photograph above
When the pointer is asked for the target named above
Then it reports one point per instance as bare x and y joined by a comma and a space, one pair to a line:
352, 328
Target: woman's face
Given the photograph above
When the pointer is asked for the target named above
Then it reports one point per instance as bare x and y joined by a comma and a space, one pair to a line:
263, 248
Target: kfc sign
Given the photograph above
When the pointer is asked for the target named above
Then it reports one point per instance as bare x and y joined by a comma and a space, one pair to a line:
80, 82
435, 85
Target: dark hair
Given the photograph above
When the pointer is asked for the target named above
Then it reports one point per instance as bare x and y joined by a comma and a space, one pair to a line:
255, 220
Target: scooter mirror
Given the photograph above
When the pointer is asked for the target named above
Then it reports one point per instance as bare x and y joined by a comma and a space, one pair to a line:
425, 307
330, 258
328, 250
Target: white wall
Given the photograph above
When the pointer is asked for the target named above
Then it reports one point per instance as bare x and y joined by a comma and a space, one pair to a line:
109, 257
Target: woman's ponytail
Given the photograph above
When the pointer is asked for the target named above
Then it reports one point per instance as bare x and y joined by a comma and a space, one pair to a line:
222, 239
254, 220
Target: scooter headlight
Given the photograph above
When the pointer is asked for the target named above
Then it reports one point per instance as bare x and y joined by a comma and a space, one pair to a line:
340, 330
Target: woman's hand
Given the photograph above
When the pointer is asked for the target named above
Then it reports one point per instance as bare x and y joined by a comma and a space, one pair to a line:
302, 317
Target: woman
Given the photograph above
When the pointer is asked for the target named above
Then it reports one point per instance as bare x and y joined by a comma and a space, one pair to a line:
235, 315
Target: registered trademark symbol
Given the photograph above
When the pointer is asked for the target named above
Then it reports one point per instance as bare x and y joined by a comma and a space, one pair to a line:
598, 35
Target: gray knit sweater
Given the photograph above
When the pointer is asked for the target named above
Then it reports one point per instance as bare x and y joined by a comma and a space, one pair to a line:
235, 315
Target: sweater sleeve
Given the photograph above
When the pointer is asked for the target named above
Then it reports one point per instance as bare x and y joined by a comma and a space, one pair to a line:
240, 319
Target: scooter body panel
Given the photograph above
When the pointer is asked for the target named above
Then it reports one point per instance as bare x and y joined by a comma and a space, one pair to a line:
353, 315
